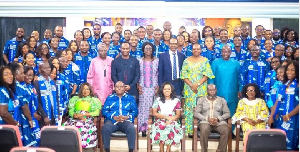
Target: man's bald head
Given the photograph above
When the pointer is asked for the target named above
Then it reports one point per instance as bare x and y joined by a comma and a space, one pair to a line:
211, 86
211, 91
120, 88
44, 69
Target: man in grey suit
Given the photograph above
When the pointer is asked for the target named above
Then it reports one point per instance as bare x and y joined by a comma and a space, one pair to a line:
212, 112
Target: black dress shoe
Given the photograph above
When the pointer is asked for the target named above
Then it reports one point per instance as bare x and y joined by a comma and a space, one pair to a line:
190, 135
144, 134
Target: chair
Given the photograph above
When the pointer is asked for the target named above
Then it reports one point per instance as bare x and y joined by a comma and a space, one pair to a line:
214, 135
118, 135
265, 140
238, 135
31, 149
151, 121
9, 137
97, 125
61, 139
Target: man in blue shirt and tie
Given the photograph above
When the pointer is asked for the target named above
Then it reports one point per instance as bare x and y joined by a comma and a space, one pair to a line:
62, 43
11, 46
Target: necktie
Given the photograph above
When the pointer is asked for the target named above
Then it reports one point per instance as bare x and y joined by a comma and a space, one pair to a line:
174, 67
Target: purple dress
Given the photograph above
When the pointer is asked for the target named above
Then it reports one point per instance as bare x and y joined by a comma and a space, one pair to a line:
148, 82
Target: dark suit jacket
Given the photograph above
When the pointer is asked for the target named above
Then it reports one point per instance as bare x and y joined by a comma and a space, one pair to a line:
40, 106
165, 67
119, 65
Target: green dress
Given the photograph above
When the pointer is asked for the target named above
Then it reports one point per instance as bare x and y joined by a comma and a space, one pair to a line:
194, 72
87, 128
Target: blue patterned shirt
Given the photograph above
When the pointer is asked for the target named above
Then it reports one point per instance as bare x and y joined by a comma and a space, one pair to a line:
161, 48
83, 62
254, 72
115, 106
10, 48
63, 43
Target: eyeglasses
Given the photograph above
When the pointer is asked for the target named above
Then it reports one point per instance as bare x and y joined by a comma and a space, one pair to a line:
250, 90
96, 28
276, 33
254, 50
289, 50
207, 31
44, 48
149, 48
259, 30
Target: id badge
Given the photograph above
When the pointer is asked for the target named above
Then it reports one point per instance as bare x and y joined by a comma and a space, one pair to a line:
16, 103
285, 125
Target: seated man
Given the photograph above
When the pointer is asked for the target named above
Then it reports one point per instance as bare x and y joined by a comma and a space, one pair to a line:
212, 112
119, 111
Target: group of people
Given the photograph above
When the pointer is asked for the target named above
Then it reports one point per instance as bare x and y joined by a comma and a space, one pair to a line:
118, 74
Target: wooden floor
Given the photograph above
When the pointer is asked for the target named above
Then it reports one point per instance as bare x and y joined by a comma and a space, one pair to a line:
121, 146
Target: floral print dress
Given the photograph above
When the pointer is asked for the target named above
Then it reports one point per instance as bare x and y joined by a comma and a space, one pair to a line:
87, 128
194, 72
168, 134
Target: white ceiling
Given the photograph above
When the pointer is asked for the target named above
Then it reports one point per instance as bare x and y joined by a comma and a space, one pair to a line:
42, 8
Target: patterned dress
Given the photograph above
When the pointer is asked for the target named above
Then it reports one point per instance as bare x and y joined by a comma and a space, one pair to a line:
88, 130
194, 72
256, 109
288, 99
170, 134
148, 82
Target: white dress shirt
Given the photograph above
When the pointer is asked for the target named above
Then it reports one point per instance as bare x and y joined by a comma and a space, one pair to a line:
172, 63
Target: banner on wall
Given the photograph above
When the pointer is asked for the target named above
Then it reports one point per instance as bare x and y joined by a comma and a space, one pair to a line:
226, 23
142, 21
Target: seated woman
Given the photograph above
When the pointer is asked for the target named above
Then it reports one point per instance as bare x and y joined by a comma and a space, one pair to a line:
82, 109
252, 111
166, 110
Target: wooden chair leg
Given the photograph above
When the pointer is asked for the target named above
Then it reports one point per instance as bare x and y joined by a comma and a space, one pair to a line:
101, 145
195, 138
230, 141
149, 147
183, 141
237, 137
